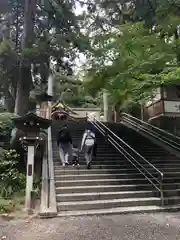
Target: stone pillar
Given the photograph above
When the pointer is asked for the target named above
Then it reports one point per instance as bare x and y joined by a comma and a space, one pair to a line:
142, 112
105, 102
29, 176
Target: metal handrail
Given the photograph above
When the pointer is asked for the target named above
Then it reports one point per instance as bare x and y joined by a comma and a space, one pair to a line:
150, 125
154, 134
108, 129
104, 129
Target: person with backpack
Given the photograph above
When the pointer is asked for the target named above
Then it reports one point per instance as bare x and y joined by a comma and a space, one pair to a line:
88, 144
64, 142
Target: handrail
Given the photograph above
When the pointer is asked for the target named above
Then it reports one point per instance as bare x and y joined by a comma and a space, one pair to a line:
151, 132
103, 129
108, 129
150, 125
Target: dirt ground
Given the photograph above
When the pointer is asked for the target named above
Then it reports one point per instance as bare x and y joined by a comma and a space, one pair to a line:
161, 226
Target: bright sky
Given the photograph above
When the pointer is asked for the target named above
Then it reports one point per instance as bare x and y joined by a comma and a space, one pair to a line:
81, 59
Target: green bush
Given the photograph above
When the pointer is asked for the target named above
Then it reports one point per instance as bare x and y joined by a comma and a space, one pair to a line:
11, 180
10, 205
6, 124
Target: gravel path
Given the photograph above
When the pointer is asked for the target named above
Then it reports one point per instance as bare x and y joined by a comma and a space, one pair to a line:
123, 227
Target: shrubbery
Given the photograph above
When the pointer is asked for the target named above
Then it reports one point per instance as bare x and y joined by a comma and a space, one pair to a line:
6, 124
11, 180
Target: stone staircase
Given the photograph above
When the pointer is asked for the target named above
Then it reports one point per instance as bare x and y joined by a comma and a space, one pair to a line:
112, 186
162, 159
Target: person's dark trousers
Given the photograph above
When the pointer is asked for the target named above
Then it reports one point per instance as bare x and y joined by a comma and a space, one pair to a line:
95, 149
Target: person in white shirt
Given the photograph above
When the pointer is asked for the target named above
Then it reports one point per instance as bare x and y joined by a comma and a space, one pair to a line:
88, 144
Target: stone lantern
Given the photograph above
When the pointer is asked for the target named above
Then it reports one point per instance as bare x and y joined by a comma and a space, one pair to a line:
30, 124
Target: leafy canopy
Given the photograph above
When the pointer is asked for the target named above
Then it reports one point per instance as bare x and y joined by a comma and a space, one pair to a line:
131, 62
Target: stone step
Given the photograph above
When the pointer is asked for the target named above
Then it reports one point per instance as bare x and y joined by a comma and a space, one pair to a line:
161, 160
120, 210
104, 195
102, 149
171, 186
102, 188
99, 161
117, 176
94, 163
77, 171
118, 157
162, 157
99, 182
113, 184
125, 162
120, 167
104, 155
113, 203
93, 166
127, 179
169, 179
111, 153
167, 175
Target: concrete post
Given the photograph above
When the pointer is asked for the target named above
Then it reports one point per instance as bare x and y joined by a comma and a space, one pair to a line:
105, 103
142, 112
50, 85
29, 176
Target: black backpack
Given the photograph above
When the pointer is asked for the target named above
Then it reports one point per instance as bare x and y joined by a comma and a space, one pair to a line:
89, 136
63, 136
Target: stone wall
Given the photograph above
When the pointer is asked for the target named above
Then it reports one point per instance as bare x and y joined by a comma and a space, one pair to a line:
83, 112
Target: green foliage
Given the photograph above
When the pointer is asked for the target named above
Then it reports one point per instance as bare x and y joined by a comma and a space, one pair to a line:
131, 62
6, 124
11, 205
57, 35
131, 47
73, 94
7, 206
11, 180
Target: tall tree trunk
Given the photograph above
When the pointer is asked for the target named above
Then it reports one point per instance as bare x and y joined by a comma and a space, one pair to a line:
23, 90
25, 80
8, 101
